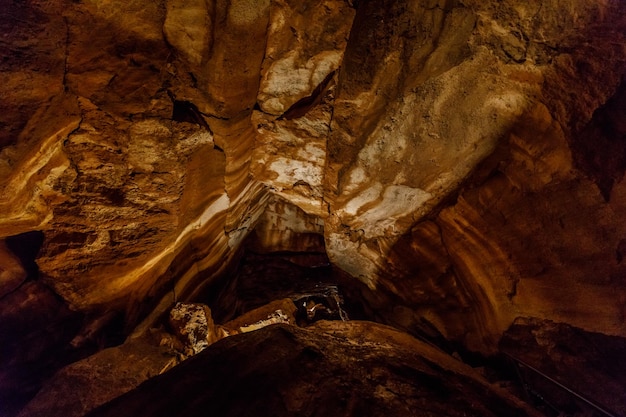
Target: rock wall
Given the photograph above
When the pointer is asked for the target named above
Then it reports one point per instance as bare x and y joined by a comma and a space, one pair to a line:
462, 160
450, 155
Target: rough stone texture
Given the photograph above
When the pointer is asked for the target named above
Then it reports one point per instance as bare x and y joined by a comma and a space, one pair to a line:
305, 45
33, 49
36, 328
193, 324
460, 162
332, 369
258, 317
84, 385
188, 27
591, 364
408, 132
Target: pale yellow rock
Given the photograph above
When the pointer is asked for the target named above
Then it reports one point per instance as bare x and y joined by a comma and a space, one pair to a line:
188, 28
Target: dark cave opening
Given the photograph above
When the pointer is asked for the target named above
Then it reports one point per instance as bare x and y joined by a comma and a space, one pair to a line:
26, 247
186, 111
308, 279
600, 148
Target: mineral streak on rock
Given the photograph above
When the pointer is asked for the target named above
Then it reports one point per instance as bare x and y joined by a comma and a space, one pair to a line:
305, 44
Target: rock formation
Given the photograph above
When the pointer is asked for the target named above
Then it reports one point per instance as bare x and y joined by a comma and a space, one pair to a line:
456, 166
337, 369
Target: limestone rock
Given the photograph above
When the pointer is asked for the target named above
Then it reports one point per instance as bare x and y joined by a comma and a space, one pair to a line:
394, 108
86, 384
188, 27
279, 311
333, 368
305, 45
572, 357
459, 163
32, 69
193, 324
290, 154
229, 76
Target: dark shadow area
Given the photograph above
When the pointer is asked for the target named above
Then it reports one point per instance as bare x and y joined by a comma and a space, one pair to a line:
568, 370
36, 327
288, 371
40, 334
26, 247
186, 111
263, 278
600, 148
261, 275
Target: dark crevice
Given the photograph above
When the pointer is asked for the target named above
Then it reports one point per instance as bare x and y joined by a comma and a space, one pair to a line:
599, 149
262, 278
26, 247
186, 111
67, 53
302, 106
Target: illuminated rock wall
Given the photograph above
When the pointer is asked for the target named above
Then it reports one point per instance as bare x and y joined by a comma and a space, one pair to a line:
442, 148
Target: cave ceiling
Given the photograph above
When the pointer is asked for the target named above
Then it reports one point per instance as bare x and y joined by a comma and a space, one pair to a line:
456, 165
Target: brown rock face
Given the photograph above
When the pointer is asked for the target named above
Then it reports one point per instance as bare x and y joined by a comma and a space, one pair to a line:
285, 371
456, 165
589, 363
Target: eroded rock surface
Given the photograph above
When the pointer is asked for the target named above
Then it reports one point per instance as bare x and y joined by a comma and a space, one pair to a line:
86, 384
332, 368
590, 364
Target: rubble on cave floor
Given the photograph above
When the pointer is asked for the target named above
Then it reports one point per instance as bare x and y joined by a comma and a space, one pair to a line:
191, 327
279, 360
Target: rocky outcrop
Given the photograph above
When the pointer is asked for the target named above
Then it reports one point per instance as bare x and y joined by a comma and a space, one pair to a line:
86, 384
333, 368
403, 143
83, 385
